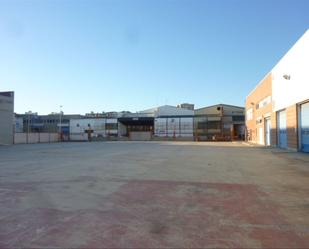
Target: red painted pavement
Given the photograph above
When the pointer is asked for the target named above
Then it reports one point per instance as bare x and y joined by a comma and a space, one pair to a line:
153, 214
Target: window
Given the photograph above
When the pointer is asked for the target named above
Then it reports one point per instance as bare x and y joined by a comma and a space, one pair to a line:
250, 114
238, 118
264, 102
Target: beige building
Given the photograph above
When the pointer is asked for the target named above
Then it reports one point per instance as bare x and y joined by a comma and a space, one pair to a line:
219, 122
6, 118
259, 113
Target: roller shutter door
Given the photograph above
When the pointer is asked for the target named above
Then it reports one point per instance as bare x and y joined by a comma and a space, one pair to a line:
282, 132
304, 127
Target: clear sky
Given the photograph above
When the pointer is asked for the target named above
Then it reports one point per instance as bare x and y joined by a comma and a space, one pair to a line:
133, 55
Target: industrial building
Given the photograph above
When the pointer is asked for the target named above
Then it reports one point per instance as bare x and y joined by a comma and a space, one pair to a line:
84, 129
259, 112
6, 118
51, 123
163, 121
277, 110
219, 122
171, 121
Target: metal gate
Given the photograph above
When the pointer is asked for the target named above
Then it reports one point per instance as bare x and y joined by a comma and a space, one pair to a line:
304, 127
282, 133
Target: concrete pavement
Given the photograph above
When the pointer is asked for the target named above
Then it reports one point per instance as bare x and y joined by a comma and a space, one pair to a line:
153, 194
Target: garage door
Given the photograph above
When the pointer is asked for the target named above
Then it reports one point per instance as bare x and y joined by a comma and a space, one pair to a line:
282, 134
304, 125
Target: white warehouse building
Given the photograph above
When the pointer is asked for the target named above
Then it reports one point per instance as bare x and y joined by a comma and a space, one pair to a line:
95, 127
173, 121
162, 121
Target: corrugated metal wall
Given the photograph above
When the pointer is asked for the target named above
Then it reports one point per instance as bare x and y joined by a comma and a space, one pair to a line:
100, 126
173, 127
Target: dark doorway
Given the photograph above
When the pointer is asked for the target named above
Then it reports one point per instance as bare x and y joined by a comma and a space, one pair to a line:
138, 124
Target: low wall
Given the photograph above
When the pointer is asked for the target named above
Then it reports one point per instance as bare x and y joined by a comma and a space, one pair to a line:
31, 138
140, 135
78, 137
173, 138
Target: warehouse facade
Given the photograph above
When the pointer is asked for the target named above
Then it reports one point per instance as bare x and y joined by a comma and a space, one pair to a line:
6, 118
31, 122
277, 110
160, 122
173, 122
219, 122
84, 129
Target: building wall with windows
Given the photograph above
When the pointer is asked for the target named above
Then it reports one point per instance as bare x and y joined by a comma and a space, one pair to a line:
291, 91
33, 122
258, 109
6, 118
288, 85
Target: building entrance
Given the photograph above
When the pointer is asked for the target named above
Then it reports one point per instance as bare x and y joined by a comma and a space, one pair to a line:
137, 128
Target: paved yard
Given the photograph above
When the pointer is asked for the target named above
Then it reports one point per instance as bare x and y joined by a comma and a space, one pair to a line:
153, 194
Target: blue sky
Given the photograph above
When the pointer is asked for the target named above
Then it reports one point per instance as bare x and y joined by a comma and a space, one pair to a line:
133, 55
